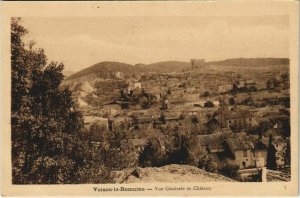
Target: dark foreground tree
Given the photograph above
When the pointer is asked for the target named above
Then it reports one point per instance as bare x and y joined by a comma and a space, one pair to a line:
47, 143
287, 153
271, 155
153, 154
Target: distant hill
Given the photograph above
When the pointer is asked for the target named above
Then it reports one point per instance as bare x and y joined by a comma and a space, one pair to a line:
252, 62
104, 68
167, 66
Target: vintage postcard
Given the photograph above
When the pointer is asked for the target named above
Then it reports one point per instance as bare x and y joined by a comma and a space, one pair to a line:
186, 98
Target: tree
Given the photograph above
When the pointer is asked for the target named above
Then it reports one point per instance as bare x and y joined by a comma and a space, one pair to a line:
252, 89
231, 101
230, 169
269, 84
99, 133
152, 154
162, 118
209, 104
169, 91
179, 153
196, 155
285, 79
145, 103
234, 89
271, 155
205, 94
287, 153
47, 144
181, 116
272, 83
195, 119
145, 159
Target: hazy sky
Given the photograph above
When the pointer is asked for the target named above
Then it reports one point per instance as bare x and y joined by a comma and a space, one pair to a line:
82, 42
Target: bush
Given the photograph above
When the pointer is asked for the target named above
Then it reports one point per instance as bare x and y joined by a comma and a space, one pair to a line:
205, 94
209, 104
195, 119
152, 154
94, 173
145, 104
181, 116
207, 163
229, 169
198, 156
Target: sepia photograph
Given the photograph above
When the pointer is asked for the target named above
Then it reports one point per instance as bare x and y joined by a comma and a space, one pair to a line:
144, 98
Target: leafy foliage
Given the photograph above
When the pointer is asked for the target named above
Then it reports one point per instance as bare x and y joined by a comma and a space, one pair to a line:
209, 104
287, 153
48, 145
153, 155
271, 155
230, 169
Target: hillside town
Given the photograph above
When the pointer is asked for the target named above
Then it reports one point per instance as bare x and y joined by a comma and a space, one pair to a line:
151, 98
234, 120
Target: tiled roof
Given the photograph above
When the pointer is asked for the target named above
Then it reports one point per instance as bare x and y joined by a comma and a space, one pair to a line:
144, 119
240, 142
212, 139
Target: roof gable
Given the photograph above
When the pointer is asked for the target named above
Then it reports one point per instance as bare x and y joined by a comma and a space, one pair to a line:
240, 142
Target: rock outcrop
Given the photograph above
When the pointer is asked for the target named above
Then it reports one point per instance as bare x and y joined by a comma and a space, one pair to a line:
168, 173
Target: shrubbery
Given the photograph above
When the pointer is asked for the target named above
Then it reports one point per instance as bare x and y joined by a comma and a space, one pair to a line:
229, 169
152, 155
209, 104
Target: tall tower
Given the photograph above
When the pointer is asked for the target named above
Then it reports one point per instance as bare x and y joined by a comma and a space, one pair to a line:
195, 63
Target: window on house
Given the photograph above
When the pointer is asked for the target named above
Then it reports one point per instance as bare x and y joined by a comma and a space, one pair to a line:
244, 153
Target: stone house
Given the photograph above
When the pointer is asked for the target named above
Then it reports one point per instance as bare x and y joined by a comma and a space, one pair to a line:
241, 146
236, 119
260, 151
215, 143
245, 150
